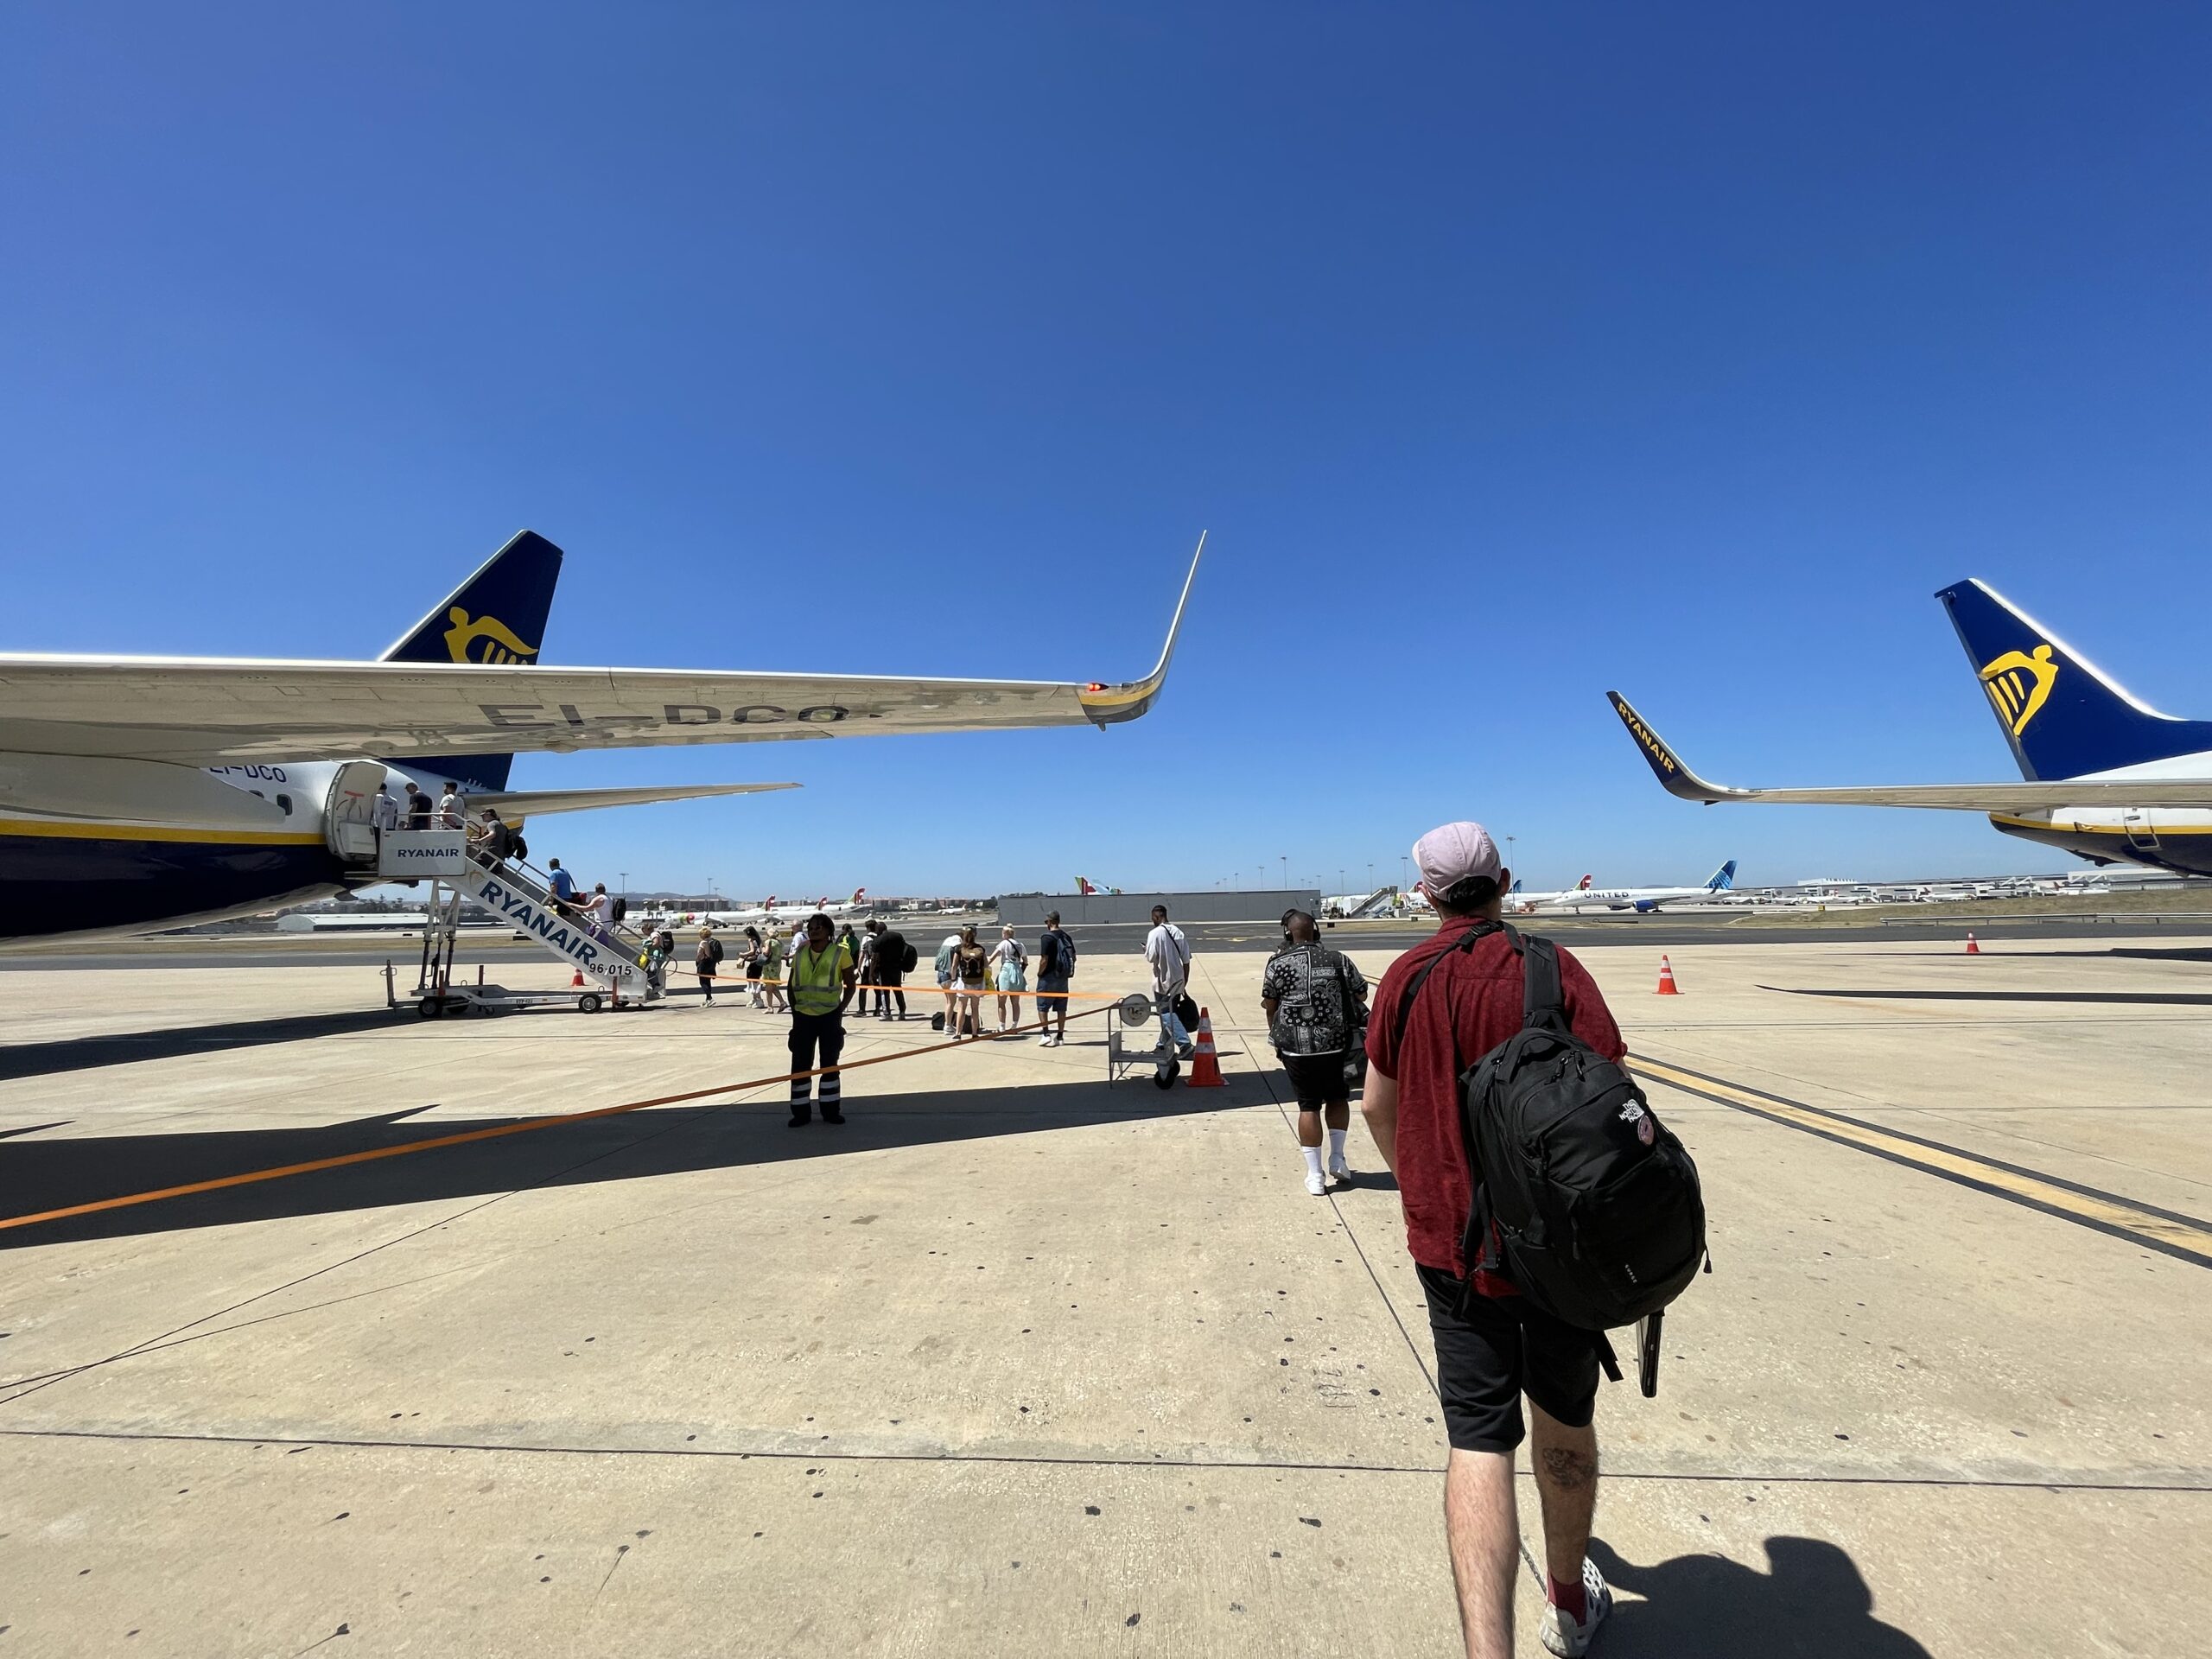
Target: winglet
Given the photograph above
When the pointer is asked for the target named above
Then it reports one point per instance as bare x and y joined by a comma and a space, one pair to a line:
1673, 777
1108, 705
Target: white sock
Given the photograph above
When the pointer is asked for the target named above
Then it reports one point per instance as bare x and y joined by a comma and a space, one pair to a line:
1336, 1145
1312, 1160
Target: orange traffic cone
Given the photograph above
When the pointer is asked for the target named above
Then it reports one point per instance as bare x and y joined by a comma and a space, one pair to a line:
577, 984
1205, 1068
1667, 986
1973, 949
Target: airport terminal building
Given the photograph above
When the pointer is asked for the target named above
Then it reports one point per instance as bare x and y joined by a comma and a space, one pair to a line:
1252, 905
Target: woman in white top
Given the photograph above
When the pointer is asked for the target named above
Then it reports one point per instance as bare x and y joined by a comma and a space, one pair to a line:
595, 911
1010, 976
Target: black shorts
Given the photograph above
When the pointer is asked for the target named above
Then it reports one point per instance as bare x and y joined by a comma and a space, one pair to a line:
1500, 1349
1316, 1078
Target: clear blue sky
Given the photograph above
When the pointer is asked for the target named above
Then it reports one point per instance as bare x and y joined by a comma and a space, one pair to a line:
1509, 353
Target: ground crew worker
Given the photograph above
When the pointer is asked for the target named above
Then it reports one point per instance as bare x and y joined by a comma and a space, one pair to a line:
822, 980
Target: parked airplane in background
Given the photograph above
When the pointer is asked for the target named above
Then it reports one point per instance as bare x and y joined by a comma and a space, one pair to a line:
141, 793
1586, 897
773, 910
1520, 902
2106, 777
1086, 887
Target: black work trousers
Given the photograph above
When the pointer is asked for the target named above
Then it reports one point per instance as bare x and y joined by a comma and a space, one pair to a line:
813, 1033
890, 982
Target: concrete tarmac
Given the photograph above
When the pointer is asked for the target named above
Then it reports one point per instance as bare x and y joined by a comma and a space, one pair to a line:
1665, 932
1018, 1363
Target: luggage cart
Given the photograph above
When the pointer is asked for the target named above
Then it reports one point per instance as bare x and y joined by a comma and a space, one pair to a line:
1133, 1012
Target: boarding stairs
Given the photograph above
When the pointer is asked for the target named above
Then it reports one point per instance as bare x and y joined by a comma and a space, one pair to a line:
1373, 902
610, 958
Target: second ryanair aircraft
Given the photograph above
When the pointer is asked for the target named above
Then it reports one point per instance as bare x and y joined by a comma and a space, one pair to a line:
2105, 776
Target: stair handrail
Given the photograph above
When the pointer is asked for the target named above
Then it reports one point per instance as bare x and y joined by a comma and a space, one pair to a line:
632, 942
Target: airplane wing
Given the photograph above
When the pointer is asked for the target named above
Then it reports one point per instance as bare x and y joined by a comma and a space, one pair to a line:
1679, 780
198, 711
528, 803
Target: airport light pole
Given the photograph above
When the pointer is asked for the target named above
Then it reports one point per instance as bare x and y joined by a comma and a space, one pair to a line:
624, 875
1508, 854
1286, 867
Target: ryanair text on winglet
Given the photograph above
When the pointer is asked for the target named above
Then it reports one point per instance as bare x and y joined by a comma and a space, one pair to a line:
1652, 745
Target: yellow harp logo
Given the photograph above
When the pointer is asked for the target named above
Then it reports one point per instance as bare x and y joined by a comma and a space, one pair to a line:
487, 639
2018, 684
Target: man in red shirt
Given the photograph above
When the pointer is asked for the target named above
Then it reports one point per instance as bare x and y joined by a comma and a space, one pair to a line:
1492, 1346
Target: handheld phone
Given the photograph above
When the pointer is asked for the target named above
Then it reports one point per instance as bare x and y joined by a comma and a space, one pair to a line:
1646, 1354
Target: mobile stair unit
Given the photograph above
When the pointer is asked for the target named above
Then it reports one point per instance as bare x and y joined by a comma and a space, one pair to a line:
608, 962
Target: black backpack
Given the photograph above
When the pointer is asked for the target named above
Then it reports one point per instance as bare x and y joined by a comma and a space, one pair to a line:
907, 959
1581, 1197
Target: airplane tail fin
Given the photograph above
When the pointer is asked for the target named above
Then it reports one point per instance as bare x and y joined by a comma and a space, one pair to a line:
2063, 715
1515, 887
1724, 879
1583, 885
498, 615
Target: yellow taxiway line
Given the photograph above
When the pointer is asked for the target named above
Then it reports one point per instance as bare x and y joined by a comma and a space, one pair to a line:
2184, 1237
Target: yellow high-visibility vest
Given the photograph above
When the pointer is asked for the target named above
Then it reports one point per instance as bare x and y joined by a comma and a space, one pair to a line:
818, 977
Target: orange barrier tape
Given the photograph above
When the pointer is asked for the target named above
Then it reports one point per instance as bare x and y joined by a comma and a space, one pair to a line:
523, 1127
931, 987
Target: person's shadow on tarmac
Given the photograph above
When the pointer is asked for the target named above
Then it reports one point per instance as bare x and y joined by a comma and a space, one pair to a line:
1813, 1605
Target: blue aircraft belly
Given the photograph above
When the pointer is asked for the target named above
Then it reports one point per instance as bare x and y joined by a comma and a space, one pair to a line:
65, 884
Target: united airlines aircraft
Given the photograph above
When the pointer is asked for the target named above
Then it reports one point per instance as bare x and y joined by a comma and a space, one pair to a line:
2105, 776
1718, 887
143, 792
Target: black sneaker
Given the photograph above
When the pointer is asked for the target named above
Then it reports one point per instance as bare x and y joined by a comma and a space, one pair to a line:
801, 1116
832, 1114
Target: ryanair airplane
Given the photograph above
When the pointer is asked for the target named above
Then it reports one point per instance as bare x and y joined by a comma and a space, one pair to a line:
2106, 775
145, 793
